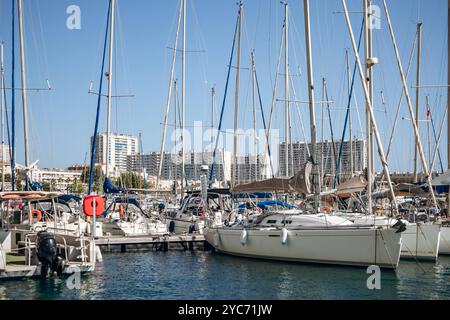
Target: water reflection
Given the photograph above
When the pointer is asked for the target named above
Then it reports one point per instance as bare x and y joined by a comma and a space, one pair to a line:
206, 275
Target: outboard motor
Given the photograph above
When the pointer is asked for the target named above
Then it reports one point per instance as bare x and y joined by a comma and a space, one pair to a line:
47, 253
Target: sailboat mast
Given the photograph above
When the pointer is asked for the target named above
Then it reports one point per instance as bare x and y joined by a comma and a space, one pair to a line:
2, 105
110, 70
349, 113
419, 49
175, 107
369, 83
169, 94
312, 116
370, 107
236, 97
183, 93
448, 96
286, 87
255, 146
24, 85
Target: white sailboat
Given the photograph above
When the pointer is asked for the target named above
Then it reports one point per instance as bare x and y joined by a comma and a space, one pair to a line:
316, 238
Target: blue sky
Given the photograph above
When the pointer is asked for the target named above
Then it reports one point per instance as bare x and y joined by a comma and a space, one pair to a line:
62, 120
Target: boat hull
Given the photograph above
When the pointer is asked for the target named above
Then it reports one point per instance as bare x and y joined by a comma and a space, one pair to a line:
421, 241
444, 244
342, 246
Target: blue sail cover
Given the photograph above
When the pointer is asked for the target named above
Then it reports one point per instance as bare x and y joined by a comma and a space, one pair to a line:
265, 204
33, 185
109, 187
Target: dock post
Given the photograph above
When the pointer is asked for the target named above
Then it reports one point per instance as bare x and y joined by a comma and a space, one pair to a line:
123, 248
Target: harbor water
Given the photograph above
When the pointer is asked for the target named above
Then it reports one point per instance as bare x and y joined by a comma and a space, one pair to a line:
209, 275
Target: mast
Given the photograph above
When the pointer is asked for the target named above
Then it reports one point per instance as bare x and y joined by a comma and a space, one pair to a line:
419, 49
312, 117
2, 105
286, 86
213, 100
183, 93
349, 114
448, 96
369, 106
109, 76
411, 111
169, 94
175, 103
255, 146
24, 87
369, 83
236, 97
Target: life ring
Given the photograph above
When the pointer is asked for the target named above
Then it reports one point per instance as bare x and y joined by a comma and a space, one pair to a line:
88, 205
325, 209
36, 214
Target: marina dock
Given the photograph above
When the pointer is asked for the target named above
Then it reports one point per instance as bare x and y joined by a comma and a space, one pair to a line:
154, 243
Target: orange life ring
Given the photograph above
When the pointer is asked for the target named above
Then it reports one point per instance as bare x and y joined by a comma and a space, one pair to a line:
88, 205
36, 214
325, 209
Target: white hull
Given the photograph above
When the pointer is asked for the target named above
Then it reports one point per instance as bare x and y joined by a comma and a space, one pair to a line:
420, 241
343, 246
444, 244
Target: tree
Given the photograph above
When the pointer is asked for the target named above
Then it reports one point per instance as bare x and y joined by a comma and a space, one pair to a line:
76, 187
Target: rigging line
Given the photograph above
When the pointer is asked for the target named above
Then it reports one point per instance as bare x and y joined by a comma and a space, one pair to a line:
264, 123
347, 115
224, 98
7, 121
274, 92
331, 125
437, 141
300, 116
97, 117
400, 101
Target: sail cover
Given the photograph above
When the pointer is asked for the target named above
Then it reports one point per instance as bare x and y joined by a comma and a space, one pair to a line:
355, 184
299, 183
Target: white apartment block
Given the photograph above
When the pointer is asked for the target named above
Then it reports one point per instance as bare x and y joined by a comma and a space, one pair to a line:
172, 165
326, 156
59, 178
120, 147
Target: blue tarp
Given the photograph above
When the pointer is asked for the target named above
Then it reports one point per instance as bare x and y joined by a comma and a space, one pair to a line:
265, 204
109, 187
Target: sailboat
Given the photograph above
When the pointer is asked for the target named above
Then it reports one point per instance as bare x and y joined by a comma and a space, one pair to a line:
45, 251
123, 216
316, 238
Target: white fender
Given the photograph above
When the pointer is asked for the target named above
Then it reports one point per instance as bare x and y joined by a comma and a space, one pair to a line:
98, 254
284, 235
244, 236
216, 239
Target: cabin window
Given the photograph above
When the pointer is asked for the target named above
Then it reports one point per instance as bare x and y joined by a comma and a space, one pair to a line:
286, 222
271, 221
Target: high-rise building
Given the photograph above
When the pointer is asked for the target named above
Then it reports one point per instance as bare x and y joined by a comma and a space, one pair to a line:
148, 163
120, 147
327, 155
249, 168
